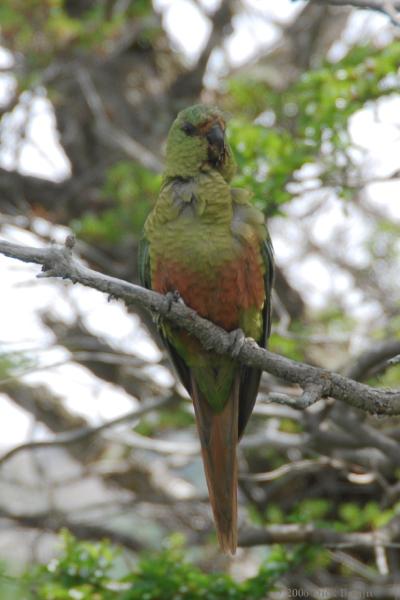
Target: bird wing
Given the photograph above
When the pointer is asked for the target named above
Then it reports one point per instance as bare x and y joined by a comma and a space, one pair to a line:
145, 280
250, 376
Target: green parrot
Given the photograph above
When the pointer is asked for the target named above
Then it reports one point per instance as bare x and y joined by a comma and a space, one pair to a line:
207, 244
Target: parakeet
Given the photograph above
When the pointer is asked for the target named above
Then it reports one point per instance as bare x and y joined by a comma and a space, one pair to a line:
207, 243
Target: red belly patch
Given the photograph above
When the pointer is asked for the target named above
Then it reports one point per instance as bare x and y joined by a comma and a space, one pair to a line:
219, 295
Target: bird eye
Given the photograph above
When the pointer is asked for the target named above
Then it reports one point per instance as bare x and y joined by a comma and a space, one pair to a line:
189, 129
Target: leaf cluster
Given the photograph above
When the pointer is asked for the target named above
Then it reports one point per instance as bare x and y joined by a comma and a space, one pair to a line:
92, 571
127, 193
307, 124
42, 28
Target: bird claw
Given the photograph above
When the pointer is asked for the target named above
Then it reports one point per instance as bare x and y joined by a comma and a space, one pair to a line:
170, 298
237, 340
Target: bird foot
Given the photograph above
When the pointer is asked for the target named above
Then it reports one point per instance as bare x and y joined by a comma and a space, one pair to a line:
173, 297
237, 340
170, 298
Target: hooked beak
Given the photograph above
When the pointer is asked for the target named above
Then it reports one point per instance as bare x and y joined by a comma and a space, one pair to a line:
216, 140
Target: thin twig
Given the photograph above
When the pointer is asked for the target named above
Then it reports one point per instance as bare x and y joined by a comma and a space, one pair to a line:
83, 433
388, 8
309, 533
112, 134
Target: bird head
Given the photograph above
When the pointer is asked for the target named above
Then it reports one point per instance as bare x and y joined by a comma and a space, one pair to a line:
197, 142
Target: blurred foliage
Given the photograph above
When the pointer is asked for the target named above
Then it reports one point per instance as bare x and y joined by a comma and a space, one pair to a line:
9, 587
389, 378
12, 364
325, 513
305, 124
91, 571
129, 190
290, 347
165, 419
356, 518
44, 28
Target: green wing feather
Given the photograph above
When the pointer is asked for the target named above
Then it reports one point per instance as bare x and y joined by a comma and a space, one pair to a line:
145, 280
250, 377
144, 263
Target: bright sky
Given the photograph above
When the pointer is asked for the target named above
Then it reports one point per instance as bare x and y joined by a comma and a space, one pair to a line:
376, 131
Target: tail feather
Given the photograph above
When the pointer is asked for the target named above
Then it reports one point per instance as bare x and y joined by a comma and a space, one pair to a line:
218, 433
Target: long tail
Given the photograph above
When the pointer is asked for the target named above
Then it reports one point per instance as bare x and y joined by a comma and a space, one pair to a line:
218, 435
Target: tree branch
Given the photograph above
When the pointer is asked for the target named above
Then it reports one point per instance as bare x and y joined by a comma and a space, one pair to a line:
381, 356
111, 134
84, 433
311, 534
390, 8
59, 262
56, 521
